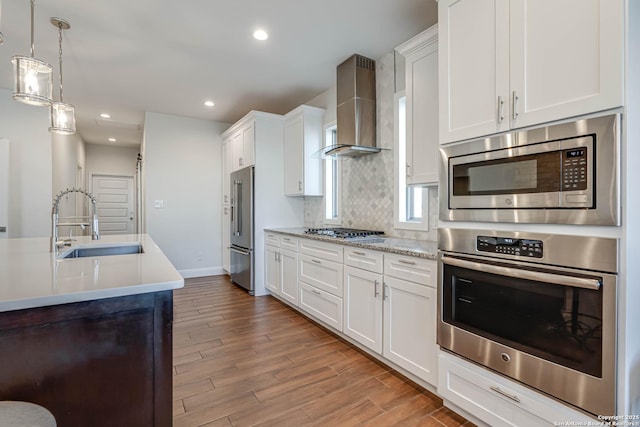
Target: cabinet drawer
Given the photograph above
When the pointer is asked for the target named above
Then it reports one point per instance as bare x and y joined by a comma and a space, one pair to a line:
418, 270
320, 304
364, 259
323, 274
272, 239
289, 242
322, 250
496, 400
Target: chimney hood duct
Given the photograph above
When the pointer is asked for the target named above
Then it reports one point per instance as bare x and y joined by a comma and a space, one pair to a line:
356, 113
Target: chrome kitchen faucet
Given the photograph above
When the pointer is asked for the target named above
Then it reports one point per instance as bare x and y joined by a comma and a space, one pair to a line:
95, 234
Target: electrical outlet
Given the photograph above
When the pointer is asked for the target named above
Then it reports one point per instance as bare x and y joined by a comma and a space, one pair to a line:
159, 204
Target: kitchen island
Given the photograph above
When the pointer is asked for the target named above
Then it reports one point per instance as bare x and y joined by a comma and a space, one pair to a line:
89, 338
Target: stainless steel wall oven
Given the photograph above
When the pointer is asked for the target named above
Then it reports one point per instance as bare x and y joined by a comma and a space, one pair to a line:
538, 308
561, 174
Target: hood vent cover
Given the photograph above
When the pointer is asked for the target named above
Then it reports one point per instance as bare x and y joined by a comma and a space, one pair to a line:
356, 113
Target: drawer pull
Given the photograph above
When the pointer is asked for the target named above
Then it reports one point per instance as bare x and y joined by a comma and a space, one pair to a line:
286, 239
359, 253
316, 292
505, 394
404, 261
316, 261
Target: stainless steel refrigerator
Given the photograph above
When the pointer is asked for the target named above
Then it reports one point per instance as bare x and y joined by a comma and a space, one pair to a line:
241, 250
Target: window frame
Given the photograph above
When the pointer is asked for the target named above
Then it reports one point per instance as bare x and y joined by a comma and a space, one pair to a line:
400, 189
337, 192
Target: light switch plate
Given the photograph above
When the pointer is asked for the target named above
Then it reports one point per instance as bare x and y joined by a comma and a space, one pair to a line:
159, 204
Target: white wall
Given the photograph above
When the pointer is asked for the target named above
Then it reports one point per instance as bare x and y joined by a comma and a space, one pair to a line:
182, 167
68, 160
111, 160
30, 168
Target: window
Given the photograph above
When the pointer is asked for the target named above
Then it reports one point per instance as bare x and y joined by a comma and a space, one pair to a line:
411, 201
331, 180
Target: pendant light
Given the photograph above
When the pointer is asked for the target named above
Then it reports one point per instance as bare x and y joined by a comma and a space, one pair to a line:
63, 116
32, 84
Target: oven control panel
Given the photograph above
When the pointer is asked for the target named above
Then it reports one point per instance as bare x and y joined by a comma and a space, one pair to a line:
510, 246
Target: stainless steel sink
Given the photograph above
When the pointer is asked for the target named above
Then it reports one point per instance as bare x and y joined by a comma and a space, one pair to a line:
104, 251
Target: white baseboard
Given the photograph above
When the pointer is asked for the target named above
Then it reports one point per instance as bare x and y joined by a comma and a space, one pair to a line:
201, 272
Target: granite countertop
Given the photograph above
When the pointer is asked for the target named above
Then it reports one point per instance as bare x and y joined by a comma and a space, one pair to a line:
31, 276
415, 248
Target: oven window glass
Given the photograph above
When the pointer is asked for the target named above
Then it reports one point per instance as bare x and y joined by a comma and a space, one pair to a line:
534, 173
559, 323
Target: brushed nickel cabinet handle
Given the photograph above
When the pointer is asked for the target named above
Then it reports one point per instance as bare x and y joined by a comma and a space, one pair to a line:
375, 289
316, 292
404, 261
505, 394
316, 261
359, 253
500, 109
515, 105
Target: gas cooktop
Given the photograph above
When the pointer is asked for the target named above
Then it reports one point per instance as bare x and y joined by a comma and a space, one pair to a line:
343, 233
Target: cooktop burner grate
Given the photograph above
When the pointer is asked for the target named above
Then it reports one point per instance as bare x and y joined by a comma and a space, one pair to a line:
343, 233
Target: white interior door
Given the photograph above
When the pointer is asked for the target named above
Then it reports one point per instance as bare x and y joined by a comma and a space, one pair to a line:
4, 187
115, 203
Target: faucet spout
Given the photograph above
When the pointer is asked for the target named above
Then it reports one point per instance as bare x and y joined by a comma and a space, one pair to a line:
55, 238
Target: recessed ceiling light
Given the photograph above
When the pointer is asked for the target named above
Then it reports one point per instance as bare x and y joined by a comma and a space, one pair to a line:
209, 103
105, 115
260, 35
112, 140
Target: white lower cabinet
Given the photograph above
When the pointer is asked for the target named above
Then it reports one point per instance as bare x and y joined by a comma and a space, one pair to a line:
410, 313
272, 269
321, 305
498, 401
321, 273
363, 307
281, 270
289, 276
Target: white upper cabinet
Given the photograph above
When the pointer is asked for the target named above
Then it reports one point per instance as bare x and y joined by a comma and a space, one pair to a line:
507, 64
302, 138
421, 79
243, 146
226, 170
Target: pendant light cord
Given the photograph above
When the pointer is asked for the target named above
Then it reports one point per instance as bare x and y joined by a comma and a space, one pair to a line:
60, 57
33, 6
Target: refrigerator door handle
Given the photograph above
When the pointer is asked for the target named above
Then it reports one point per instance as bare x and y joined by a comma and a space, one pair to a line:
238, 197
239, 251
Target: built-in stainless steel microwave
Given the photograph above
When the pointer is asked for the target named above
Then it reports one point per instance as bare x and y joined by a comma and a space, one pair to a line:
561, 174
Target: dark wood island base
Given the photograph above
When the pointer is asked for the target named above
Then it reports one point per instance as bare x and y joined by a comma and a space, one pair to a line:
105, 362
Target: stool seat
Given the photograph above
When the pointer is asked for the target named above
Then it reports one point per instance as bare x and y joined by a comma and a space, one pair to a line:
24, 414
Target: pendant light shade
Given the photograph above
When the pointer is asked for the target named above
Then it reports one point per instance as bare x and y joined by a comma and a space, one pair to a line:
63, 116
32, 82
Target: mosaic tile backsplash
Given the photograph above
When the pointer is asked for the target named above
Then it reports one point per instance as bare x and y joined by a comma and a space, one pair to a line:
367, 182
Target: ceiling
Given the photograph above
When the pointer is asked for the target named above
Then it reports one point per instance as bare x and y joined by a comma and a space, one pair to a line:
127, 57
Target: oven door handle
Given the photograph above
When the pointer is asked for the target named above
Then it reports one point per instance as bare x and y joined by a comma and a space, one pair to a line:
556, 279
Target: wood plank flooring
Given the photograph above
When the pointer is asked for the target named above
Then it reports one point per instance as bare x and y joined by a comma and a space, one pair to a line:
246, 361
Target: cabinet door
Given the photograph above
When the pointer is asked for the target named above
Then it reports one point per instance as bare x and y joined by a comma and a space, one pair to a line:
227, 164
473, 46
363, 307
237, 159
293, 156
410, 327
226, 238
289, 276
248, 145
421, 74
272, 269
567, 58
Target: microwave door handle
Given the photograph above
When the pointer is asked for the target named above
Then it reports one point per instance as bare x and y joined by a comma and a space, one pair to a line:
555, 279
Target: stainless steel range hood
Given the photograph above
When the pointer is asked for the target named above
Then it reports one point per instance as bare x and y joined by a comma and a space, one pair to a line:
356, 113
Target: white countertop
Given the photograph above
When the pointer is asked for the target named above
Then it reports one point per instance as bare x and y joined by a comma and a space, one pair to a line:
31, 276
